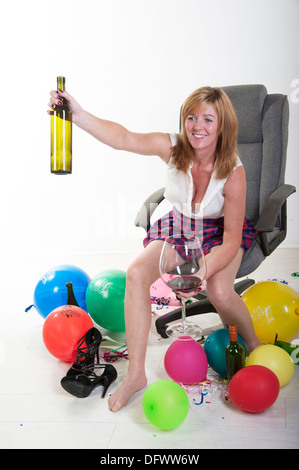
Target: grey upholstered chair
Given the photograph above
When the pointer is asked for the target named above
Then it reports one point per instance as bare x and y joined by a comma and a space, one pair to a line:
262, 144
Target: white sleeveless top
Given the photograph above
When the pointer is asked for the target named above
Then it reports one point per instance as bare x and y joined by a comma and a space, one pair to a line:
179, 191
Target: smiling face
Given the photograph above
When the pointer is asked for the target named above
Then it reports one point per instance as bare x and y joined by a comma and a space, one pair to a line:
209, 128
202, 129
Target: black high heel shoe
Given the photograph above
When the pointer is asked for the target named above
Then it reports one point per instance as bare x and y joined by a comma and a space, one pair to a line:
82, 384
87, 351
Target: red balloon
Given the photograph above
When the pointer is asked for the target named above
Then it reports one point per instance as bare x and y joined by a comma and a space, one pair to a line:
62, 330
254, 388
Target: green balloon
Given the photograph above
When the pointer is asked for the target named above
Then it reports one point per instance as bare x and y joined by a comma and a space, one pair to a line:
165, 404
105, 296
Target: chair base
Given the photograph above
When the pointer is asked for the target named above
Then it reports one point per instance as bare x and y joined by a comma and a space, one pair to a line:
203, 305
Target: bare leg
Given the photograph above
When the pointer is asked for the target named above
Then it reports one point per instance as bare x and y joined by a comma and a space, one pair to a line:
231, 308
141, 274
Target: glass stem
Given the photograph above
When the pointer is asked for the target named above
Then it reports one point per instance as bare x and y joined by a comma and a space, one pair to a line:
183, 319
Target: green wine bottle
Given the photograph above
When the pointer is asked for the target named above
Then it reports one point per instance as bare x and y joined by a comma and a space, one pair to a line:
61, 135
235, 354
71, 299
288, 347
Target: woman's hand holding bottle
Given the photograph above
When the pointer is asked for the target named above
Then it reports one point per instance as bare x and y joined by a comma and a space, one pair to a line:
56, 100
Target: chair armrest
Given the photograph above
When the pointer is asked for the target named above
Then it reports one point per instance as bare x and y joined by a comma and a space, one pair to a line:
275, 205
272, 207
143, 218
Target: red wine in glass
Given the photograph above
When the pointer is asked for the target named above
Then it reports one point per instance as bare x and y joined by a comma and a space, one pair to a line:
184, 284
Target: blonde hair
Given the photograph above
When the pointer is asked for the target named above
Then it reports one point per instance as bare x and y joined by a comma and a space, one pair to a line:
226, 149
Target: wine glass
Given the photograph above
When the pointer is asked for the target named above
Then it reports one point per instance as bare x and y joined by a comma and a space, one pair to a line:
183, 268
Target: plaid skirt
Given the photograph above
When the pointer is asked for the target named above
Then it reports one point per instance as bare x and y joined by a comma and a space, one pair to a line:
209, 231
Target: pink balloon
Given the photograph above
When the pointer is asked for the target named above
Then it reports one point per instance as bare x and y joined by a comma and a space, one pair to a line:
162, 294
186, 362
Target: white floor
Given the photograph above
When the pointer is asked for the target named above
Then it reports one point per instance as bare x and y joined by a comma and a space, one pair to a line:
35, 412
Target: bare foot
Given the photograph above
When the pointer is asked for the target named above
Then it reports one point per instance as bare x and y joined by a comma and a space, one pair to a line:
253, 345
121, 397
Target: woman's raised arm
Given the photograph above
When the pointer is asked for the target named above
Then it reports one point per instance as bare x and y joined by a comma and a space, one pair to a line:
113, 134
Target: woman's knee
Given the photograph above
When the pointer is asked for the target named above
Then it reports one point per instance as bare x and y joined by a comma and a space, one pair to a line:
134, 272
219, 293
138, 273
145, 268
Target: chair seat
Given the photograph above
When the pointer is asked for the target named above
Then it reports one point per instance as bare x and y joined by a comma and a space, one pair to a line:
252, 258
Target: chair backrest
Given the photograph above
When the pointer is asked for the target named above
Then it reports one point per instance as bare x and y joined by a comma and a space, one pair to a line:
262, 141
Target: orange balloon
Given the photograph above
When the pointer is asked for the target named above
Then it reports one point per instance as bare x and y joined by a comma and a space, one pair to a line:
62, 330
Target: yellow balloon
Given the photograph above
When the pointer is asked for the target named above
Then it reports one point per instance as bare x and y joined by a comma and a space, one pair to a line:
274, 309
276, 359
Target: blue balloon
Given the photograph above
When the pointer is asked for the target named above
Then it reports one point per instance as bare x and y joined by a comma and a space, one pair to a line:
51, 291
215, 346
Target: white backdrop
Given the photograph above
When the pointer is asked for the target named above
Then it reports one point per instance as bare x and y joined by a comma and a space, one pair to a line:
132, 61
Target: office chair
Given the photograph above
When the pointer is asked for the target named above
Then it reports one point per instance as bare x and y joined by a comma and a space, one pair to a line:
262, 143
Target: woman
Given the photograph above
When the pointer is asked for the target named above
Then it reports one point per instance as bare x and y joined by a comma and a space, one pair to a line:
205, 180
